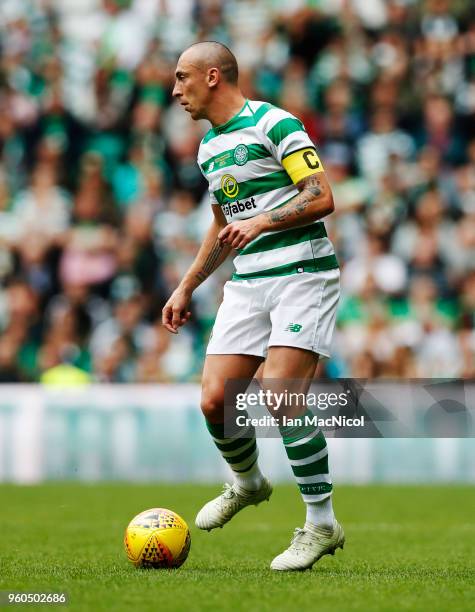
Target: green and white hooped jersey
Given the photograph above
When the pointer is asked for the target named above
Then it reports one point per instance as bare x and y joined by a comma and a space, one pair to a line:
248, 163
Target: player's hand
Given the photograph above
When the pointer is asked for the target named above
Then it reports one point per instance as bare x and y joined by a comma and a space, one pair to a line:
175, 313
239, 233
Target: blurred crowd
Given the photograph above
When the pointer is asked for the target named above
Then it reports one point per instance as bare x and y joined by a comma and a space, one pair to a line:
103, 207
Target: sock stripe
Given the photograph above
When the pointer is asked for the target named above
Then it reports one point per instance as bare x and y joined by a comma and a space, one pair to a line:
314, 479
244, 454
233, 443
315, 445
312, 469
310, 459
291, 434
235, 452
246, 464
292, 442
315, 499
246, 469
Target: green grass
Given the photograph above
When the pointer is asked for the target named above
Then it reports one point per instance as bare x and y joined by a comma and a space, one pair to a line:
408, 548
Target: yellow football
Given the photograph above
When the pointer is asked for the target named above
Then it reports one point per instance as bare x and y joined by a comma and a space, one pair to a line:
157, 538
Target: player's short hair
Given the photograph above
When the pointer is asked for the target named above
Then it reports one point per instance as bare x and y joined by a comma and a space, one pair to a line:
215, 54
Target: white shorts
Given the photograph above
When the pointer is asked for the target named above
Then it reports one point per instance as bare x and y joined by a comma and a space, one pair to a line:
295, 310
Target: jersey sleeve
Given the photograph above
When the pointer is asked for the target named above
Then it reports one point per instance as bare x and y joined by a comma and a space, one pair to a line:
291, 145
212, 197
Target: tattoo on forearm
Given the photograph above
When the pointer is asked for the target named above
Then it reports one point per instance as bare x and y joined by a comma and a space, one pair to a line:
210, 264
310, 188
311, 183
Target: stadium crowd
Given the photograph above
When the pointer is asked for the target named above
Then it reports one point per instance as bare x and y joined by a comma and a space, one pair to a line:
103, 207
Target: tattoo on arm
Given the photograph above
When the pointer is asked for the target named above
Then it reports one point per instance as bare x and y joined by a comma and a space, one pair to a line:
210, 264
312, 183
310, 188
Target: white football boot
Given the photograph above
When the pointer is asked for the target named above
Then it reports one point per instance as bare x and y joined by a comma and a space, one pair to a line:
307, 546
234, 498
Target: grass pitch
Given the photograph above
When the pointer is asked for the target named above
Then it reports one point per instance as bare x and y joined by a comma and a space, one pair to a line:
408, 548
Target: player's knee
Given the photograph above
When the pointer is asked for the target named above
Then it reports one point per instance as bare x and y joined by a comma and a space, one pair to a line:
212, 405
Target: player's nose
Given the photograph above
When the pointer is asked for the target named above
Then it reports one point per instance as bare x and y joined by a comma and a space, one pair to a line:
176, 93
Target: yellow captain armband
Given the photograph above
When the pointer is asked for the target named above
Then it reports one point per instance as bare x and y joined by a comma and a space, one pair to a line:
302, 163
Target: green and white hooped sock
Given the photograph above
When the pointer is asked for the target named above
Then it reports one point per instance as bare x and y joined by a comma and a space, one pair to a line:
307, 451
239, 449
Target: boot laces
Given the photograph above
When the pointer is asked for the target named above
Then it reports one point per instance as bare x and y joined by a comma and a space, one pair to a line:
299, 541
228, 491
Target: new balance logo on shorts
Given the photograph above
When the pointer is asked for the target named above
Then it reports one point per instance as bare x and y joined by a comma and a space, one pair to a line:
293, 327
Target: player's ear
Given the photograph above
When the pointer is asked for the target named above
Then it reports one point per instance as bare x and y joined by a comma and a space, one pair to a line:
213, 77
